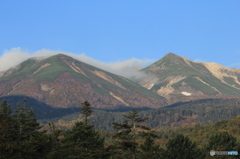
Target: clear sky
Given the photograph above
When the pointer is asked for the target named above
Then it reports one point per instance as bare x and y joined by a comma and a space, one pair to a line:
118, 30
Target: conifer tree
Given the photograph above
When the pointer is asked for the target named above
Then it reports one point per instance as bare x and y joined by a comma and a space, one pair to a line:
151, 151
182, 147
29, 140
54, 141
19, 133
6, 135
82, 141
86, 110
128, 131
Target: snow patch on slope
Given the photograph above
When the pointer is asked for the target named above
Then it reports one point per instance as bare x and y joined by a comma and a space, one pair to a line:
186, 93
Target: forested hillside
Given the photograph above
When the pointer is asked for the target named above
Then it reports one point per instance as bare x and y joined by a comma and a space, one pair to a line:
21, 136
206, 111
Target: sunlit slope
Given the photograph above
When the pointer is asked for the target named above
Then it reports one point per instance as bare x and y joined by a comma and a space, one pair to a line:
178, 78
62, 81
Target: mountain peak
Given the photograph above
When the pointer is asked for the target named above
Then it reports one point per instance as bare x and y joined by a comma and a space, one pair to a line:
170, 59
173, 56
60, 55
170, 54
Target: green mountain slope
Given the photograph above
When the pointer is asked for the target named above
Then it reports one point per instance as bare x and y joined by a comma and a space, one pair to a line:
178, 78
62, 81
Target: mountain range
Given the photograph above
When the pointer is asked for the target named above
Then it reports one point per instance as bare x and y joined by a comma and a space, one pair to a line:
63, 82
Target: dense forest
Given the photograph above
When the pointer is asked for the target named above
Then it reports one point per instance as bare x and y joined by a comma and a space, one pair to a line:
23, 137
203, 112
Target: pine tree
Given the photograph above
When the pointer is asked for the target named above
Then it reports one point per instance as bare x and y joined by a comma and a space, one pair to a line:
82, 141
54, 141
151, 151
86, 110
19, 133
182, 147
29, 140
128, 131
6, 135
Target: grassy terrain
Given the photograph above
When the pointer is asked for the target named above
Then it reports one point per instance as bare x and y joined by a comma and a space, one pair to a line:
48, 73
215, 82
195, 83
159, 85
231, 81
24, 69
173, 65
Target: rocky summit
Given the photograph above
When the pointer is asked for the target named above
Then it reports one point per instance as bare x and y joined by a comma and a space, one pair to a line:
63, 82
179, 79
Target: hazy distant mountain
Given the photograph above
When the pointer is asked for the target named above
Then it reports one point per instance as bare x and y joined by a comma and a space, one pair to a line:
178, 78
61, 81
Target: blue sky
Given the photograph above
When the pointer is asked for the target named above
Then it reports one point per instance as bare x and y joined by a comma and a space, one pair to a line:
121, 30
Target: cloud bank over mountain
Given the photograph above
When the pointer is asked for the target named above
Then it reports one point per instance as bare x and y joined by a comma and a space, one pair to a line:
127, 68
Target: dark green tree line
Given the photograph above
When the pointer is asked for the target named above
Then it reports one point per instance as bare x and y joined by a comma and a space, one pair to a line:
22, 137
20, 133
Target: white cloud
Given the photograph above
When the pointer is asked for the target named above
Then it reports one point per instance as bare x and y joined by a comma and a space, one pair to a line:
127, 68
12, 57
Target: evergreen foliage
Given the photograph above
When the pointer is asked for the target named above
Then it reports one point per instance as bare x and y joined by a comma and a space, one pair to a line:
54, 141
128, 132
86, 110
204, 112
149, 150
22, 137
82, 141
181, 147
6, 147
221, 141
